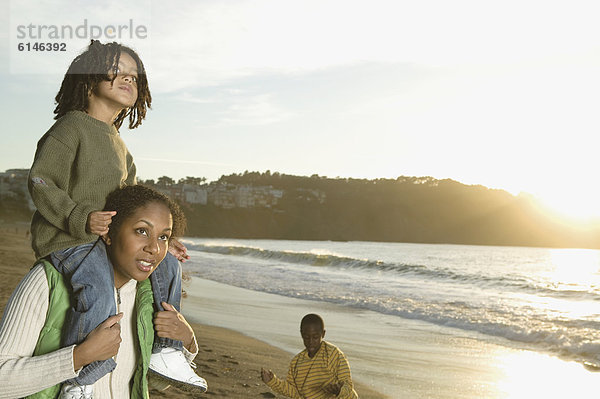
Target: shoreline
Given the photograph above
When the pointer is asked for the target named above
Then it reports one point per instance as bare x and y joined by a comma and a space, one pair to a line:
399, 357
229, 360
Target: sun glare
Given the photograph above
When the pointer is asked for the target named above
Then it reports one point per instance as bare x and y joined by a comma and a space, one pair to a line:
529, 375
579, 267
573, 206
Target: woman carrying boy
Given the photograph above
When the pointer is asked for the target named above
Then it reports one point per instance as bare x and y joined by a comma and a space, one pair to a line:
78, 162
32, 359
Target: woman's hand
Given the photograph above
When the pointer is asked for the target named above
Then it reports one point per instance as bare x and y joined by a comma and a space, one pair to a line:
178, 250
101, 344
98, 222
266, 375
171, 324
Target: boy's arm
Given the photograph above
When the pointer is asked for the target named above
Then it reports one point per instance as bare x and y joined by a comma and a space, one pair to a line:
345, 379
48, 180
131, 171
287, 387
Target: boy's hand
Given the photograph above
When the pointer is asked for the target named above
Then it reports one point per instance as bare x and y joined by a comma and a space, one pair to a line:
178, 250
333, 388
100, 344
98, 222
171, 324
266, 375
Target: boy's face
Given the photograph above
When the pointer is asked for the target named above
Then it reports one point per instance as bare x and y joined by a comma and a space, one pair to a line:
312, 335
122, 92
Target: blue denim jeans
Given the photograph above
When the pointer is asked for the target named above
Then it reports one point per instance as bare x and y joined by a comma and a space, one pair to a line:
90, 273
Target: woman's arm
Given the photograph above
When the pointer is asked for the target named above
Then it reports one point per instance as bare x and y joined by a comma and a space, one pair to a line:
171, 324
21, 374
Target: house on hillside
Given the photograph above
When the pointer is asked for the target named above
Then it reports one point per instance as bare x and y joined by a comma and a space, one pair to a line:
13, 184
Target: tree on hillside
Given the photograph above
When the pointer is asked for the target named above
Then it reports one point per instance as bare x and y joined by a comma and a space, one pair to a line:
165, 181
148, 182
197, 181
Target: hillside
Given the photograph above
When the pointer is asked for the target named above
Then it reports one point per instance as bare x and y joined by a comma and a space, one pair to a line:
406, 209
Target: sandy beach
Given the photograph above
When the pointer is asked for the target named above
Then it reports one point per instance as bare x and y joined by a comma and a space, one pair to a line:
230, 361
240, 330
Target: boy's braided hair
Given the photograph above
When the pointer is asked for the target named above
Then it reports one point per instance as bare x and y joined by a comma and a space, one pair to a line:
90, 68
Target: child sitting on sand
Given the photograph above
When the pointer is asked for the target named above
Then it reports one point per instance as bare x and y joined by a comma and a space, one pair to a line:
78, 162
320, 371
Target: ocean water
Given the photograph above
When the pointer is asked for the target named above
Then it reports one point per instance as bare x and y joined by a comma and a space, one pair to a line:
538, 299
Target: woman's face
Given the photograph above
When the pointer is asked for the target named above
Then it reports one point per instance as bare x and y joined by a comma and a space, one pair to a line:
141, 243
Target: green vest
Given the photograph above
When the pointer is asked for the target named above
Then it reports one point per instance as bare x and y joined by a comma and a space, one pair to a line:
59, 304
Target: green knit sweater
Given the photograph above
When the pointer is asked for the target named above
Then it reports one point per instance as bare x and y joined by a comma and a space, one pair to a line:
78, 162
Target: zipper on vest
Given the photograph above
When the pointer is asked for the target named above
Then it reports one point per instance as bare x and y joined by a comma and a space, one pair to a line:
118, 298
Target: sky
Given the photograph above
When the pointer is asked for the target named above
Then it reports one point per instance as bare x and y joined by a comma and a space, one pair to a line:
505, 94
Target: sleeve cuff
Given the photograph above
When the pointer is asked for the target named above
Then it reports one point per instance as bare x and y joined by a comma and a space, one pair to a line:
70, 370
191, 355
271, 384
78, 221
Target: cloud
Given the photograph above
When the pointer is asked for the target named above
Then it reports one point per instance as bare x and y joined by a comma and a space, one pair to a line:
187, 97
253, 111
184, 161
211, 43
200, 44
230, 107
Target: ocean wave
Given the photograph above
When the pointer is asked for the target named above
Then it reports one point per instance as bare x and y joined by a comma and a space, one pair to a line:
307, 258
575, 340
506, 283
479, 305
571, 339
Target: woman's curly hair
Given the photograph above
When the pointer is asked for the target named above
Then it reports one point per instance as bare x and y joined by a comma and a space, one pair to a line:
128, 199
95, 65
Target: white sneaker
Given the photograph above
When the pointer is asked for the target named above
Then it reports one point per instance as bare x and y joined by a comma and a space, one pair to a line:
172, 365
70, 391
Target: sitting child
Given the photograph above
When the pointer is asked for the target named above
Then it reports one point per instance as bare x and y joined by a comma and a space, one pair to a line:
319, 371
